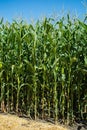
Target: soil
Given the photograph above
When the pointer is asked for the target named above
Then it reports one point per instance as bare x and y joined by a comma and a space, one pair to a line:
13, 122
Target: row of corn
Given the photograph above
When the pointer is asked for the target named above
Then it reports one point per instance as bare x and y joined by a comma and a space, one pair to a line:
43, 68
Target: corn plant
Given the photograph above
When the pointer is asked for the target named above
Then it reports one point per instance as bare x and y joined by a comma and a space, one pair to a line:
43, 68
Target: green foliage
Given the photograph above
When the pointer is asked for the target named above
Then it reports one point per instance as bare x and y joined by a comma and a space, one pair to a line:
43, 68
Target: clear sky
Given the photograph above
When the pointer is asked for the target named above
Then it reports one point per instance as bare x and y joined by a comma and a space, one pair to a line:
34, 9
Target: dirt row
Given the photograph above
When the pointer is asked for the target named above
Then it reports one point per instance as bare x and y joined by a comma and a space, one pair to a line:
13, 122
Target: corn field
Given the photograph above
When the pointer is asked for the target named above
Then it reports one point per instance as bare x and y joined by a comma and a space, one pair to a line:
43, 68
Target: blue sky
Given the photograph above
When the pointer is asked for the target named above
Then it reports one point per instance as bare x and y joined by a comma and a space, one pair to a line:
34, 9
